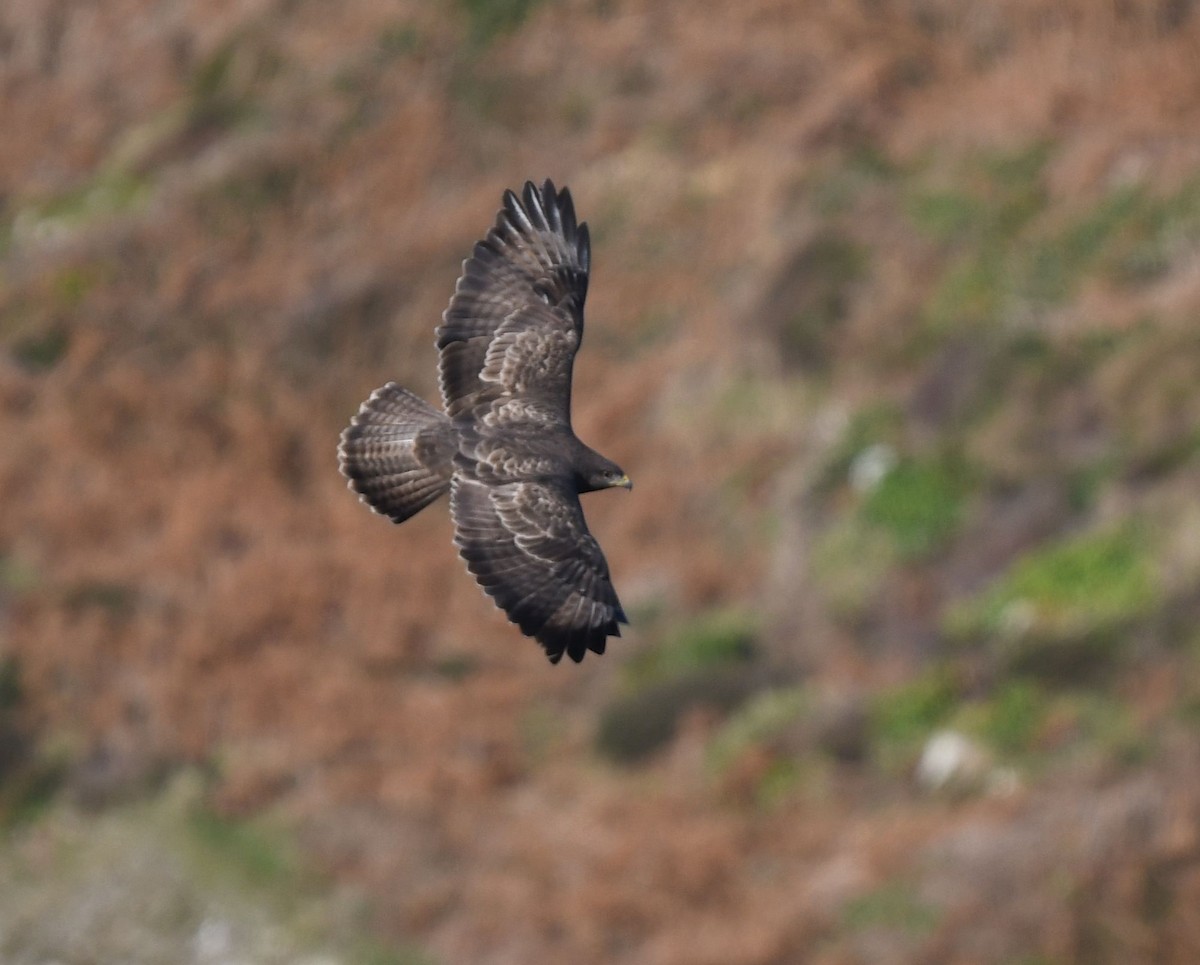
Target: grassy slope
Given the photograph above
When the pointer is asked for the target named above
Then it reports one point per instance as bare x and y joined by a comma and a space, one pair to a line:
892, 325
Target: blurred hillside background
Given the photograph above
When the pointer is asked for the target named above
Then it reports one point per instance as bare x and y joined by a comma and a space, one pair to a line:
893, 322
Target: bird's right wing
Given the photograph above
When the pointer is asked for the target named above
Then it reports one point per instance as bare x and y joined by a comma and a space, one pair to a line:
508, 339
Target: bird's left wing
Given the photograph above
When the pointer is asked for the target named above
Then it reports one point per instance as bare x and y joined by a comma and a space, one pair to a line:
528, 546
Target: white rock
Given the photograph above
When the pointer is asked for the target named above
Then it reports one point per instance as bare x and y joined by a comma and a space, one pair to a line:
871, 466
951, 759
213, 940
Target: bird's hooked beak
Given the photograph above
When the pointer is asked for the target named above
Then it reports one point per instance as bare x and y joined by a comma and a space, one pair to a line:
623, 483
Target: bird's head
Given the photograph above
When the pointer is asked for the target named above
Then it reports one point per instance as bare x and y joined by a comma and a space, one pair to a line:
614, 478
600, 473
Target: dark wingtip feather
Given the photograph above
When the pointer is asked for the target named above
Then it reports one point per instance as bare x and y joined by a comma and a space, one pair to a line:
583, 245
535, 204
566, 214
577, 643
545, 208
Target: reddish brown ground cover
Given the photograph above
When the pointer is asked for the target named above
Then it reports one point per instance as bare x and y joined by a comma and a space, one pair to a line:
222, 224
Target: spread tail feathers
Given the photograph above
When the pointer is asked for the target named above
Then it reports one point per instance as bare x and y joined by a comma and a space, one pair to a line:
397, 452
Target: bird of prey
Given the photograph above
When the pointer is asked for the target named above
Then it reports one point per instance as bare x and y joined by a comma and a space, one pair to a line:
504, 447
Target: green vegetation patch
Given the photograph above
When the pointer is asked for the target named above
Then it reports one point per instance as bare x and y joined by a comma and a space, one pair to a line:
108, 192
1047, 271
1149, 392
920, 503
112, 191
224, 86
42, 350
895, 905
878, 424
1031, 723
1006, 258
260, 859
30, 775
1089, 580
1101, 723
902, 717
836, 190
1154, 233
883, 508
812, 296
165, 880
635, 726
850, 561
72, 284
980, 220
1064, 606
1011, 719
456, 667
11, 690
273, 184
706, 662
398, 40
490, 19
802, 740
719, 637
117, 598
946, 216
17, 576
762, 718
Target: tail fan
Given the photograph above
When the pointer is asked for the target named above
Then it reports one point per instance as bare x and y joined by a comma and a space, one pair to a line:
397, 452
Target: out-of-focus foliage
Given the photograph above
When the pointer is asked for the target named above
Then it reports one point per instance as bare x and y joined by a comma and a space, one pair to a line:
892, 322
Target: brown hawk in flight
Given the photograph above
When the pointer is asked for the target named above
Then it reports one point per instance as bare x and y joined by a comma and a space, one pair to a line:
504, 447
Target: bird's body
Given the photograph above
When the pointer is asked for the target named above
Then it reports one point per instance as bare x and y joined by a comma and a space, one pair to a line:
504, 447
